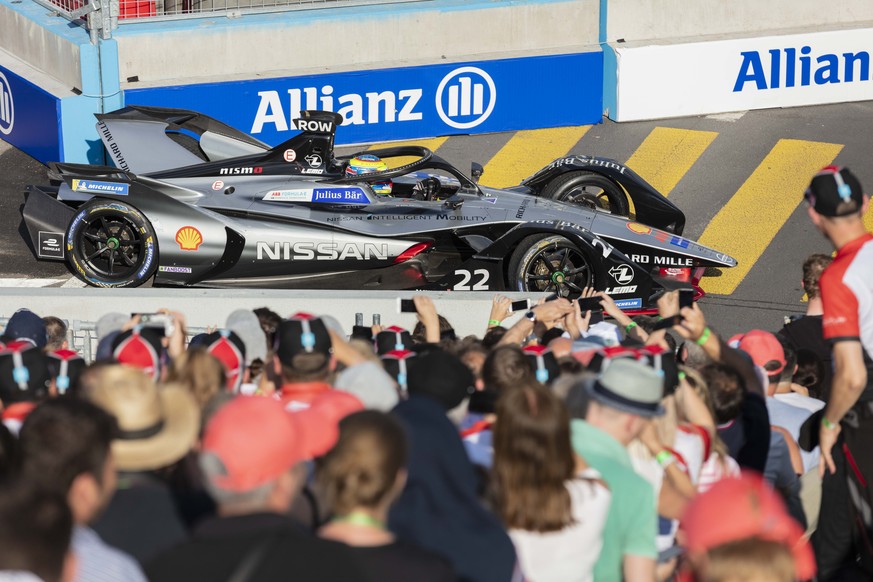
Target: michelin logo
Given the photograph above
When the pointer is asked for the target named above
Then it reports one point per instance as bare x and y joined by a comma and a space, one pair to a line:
465, 98
7, 106
96, 187
629, 303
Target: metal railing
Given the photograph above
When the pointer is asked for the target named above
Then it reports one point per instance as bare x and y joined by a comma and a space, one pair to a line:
103, 16
100, 17
82, 336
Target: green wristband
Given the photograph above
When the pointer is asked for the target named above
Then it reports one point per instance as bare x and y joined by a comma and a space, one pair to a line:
630, 326
828, 424
704, 336
664, 458
493, 322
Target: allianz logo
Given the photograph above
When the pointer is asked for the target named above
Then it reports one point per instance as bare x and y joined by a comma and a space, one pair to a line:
464, 98
790, 67
7, 106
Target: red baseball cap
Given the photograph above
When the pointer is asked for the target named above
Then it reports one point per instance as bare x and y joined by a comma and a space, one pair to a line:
318, 425
747, 507
255, 440
764, 349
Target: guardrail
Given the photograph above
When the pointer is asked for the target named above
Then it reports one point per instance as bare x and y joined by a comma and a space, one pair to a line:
203, 308
99, 17
82, 336
109, 13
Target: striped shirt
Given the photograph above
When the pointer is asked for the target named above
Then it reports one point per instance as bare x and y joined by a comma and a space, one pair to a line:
99, 562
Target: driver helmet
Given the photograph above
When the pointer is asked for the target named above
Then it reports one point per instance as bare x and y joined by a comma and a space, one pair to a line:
367, 164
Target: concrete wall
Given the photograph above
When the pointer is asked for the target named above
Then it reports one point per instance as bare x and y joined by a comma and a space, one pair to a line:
638, 20
468, 312
341, 39
39, 40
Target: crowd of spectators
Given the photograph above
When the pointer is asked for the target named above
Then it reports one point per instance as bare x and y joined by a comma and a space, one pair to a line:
552, 449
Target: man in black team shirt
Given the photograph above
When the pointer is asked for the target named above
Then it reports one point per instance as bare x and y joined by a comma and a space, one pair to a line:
252, 456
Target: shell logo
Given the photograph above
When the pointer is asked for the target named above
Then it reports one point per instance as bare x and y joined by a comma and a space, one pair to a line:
638, 228
189, 238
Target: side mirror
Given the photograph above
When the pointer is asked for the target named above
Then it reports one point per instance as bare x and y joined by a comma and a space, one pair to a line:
476, 171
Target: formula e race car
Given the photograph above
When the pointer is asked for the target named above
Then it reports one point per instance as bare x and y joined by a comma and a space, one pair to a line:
194, 202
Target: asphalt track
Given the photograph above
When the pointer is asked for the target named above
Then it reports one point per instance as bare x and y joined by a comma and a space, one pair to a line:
739, 178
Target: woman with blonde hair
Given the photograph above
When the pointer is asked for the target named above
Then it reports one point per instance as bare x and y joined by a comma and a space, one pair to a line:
201, 373
360, 478
553, 504
719, 464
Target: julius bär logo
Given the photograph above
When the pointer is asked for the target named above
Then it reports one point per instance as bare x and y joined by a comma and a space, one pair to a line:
466, 97
7, 107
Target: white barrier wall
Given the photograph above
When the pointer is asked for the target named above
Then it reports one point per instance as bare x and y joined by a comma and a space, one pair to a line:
636, 20
468, 312
25, 35
343, 39
674, 80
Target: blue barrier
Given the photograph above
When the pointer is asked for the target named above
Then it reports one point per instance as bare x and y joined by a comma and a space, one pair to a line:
29, 117
408, 102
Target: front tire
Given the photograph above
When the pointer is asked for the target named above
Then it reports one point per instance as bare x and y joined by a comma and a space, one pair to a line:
111, 244
589, 190
550, 264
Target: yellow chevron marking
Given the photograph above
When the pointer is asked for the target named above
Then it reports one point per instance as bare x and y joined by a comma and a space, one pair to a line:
667, 154
746, 225
433, 144
527, 152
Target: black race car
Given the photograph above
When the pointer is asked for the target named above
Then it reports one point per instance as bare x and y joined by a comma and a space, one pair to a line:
194, 202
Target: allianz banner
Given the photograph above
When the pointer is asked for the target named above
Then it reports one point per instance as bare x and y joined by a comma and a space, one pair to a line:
405, 103
675, 80
29, 117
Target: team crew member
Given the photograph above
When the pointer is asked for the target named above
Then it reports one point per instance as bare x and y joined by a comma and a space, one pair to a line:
836, 205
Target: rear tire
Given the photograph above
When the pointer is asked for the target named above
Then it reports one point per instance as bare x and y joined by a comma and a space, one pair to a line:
550, 264
111, 244
589, 190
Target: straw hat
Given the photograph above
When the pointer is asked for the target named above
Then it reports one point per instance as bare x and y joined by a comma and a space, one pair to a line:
157, 425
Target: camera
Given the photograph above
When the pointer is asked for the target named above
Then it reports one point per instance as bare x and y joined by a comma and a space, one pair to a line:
158, 320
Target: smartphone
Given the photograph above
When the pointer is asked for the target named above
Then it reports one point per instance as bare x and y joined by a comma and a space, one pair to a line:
670, 553
522, 305
686, 298
362, 332
589, 304
405, 306
157, 320
668, 322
